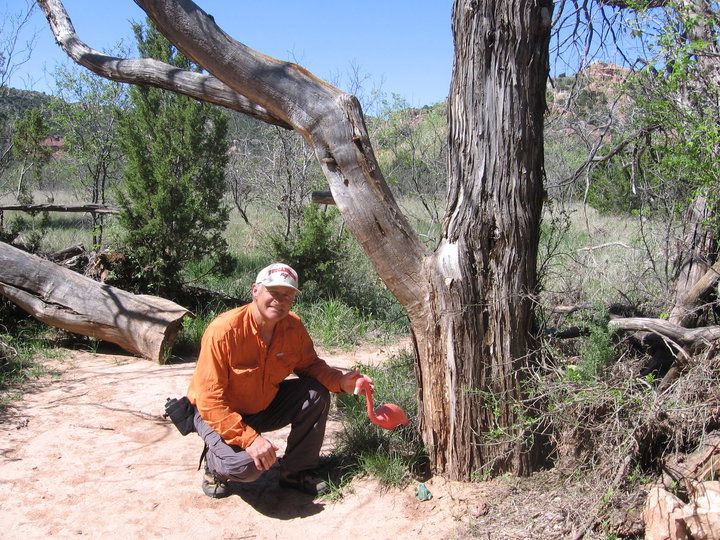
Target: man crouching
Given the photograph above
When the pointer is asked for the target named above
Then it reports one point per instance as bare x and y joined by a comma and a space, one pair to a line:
240, 391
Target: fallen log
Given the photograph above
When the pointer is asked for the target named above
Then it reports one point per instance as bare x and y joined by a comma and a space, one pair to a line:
141, 324
67, 253
90, 208
566, 333
666, 517
703, 464
686, 340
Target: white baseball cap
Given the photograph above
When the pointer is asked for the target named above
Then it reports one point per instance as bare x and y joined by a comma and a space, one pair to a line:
278, 275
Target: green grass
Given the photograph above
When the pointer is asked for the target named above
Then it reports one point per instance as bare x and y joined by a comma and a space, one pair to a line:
21, 359
391, 469
363, 448
193, 329
333, 324
589, 257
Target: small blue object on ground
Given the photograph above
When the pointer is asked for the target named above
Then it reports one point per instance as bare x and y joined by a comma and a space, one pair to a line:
422, 493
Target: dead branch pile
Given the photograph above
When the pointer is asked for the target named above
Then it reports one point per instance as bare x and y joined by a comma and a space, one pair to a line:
627, 421
693, 510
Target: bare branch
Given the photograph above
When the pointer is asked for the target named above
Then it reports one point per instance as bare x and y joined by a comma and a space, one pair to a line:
622, 4
12, 54
148, 71
638, 134
608, 244
692, 338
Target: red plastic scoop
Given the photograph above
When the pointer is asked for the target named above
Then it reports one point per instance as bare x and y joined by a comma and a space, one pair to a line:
388, 416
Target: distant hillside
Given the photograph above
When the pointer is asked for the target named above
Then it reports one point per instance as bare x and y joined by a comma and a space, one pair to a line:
14, 102
597, 85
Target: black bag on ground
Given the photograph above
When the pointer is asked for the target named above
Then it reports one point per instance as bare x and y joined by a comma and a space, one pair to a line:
182, 414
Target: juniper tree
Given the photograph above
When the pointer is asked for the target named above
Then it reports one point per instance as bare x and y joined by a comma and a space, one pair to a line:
172, 209
470, 301
29, 152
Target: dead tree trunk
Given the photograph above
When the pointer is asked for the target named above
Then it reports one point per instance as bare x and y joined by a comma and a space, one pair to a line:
469, 302
694, 300
89, 208
695, 258
140, 324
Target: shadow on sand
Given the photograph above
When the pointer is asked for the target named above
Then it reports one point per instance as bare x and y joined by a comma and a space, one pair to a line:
269, 499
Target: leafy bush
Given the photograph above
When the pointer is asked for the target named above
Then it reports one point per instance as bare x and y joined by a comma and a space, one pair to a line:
596, 353
315, 252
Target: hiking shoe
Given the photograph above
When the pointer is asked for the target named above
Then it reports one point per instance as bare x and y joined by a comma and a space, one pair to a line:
212, 487
303, 481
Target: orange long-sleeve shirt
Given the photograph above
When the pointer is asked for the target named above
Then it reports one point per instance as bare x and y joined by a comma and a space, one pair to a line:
238, 374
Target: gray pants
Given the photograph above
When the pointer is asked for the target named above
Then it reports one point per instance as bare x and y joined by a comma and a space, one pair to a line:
304, 403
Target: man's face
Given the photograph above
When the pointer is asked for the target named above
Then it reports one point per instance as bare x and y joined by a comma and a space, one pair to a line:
273, 303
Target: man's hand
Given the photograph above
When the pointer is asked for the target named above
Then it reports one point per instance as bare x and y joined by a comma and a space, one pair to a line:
263, 453
347, 381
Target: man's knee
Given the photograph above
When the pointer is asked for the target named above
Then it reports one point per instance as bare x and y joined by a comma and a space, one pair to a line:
233, 468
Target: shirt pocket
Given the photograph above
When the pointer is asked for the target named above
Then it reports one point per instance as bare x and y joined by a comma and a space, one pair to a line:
241, 363
281, 366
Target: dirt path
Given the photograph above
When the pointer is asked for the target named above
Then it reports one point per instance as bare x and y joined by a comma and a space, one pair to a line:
87, 453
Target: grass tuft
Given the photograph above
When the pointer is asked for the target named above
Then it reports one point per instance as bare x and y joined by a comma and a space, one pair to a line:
20, 354
363, 448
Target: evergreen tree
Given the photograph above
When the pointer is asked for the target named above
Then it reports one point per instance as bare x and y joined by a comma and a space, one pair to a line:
29, 152
172, 209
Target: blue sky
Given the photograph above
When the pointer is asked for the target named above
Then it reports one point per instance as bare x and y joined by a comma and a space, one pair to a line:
404, 46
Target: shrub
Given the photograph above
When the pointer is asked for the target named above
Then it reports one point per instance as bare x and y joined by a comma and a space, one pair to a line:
611, 190
172, 208
315, 252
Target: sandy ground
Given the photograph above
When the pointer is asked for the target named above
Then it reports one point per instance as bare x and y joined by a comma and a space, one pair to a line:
86, 452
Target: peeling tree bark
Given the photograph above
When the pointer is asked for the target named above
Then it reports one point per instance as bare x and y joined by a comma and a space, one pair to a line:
478, 335
469, 302
140, 324
685, 312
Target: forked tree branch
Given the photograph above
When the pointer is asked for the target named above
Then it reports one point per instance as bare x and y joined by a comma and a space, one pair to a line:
330, 120
148, 71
